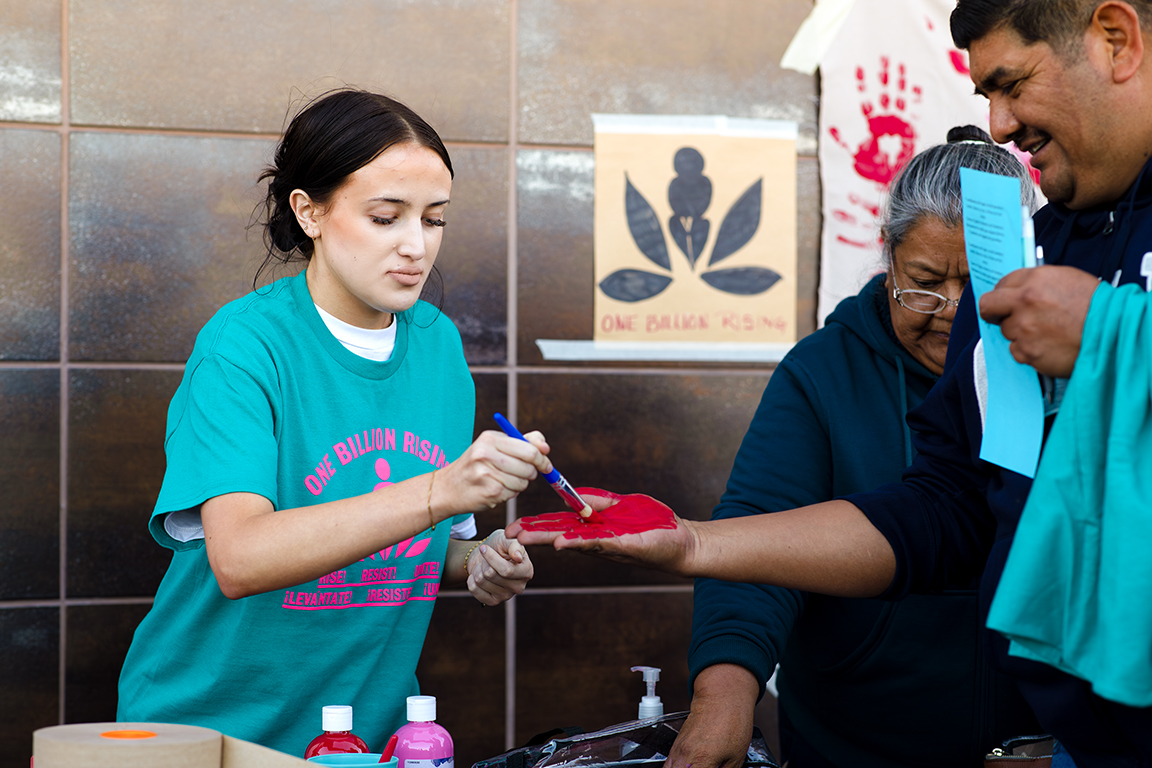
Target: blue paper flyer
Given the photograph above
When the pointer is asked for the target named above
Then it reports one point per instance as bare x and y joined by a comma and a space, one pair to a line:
995, 242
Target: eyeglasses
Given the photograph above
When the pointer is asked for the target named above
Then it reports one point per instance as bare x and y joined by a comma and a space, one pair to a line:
924, 302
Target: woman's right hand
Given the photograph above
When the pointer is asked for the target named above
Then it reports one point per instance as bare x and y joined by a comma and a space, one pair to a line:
492, 470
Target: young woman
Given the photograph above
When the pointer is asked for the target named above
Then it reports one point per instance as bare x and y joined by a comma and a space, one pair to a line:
318, 455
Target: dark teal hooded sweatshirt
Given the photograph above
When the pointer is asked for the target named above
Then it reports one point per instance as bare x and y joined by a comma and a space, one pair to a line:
862, 682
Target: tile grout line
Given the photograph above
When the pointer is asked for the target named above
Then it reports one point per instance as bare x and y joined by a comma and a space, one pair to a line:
65, 151
32, 365
568, 370
76, 601
213, 133
510, 341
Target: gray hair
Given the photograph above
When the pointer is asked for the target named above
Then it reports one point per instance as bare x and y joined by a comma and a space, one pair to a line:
928, 187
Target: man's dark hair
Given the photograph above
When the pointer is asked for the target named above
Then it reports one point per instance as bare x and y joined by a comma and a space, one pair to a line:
1059, 23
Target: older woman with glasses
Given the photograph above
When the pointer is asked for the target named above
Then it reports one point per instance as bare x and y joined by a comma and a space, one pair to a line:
862, 682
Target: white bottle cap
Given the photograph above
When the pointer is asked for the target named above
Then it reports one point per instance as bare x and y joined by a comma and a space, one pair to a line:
651, 706
421, 709
337, 718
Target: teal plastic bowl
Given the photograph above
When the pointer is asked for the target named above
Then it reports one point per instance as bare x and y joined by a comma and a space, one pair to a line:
361, 760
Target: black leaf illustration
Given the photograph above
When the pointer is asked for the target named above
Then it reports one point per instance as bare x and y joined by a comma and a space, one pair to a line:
634, 284
689, 194
645, 227
742, 281
739, 224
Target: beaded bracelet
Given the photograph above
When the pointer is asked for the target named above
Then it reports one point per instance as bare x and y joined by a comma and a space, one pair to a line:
470, 551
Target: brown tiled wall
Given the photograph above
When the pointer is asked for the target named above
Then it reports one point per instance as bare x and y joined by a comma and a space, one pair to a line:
131, 135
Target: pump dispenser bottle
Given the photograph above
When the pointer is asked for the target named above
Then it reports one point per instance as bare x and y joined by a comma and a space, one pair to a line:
337, 737
423, 743
650, 705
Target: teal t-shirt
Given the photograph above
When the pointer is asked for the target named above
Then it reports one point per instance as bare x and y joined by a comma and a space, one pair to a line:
271, 403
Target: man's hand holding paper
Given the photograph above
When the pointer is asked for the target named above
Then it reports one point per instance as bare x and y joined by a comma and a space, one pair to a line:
1041, 312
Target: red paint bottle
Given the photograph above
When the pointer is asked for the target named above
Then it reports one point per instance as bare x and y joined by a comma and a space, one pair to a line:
337, 737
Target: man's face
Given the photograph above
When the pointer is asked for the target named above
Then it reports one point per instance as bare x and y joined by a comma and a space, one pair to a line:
1053, 106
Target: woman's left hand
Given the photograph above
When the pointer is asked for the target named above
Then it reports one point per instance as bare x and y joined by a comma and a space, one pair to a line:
498, 569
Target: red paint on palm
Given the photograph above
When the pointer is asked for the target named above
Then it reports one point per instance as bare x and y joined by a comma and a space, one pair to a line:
630, 513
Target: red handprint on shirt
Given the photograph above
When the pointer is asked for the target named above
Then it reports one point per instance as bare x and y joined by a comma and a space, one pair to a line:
892, 139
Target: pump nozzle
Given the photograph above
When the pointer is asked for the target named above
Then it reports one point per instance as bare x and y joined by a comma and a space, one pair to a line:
650, 705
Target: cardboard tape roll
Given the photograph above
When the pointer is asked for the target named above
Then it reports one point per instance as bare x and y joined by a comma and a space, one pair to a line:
127, 745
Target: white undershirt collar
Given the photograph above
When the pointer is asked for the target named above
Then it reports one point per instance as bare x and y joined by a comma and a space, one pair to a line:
371, 343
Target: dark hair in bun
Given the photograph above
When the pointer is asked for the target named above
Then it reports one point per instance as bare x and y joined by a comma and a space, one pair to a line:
968, 133
928, 187
329, 140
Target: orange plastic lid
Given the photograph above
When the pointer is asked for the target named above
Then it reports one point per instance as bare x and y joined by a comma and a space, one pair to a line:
128, 734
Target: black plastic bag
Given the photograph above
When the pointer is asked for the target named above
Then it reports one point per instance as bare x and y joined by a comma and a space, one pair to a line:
634, 743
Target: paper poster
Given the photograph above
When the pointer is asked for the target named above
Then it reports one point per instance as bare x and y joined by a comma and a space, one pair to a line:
695, 229
892, 84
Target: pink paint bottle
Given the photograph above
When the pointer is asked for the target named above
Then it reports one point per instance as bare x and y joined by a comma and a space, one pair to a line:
337, 737
423, 743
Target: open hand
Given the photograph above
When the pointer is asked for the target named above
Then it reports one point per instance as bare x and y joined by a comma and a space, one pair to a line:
636, 529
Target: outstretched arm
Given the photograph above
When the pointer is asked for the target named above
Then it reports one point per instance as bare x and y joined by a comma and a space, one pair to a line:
830, 548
